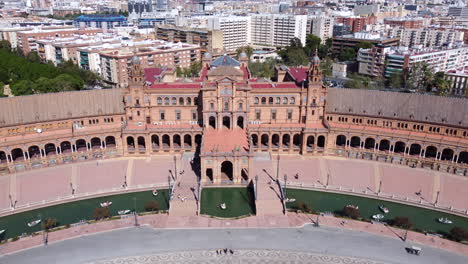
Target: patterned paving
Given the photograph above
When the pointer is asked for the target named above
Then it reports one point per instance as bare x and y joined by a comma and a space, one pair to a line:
239, 256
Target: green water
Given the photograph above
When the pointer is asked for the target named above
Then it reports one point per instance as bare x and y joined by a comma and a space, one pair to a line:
239, 202
73, 212
423, 219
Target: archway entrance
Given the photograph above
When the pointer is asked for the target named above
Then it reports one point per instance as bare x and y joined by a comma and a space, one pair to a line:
212, 122
240, 122
227, 122
226, 171
209, 174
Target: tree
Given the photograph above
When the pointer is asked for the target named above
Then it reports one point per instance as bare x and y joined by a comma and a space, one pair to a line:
33, 57
351, 212
459, 234
264, 69
353, 83
440, 84
294, 54
22, 87
364, 45
4, 44
247, 49
402, 222
152, 206
2, 90
396, 80
101, 213
304, 207
347, 54
326, 65
312, 43
50, 223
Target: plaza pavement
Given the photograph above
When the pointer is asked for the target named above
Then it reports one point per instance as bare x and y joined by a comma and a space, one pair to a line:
333, 244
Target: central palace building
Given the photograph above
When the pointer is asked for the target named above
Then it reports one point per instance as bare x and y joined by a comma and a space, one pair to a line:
225, 116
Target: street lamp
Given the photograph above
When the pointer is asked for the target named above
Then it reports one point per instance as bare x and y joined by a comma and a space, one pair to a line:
277, 168
285, 185
135, 211
380, 186
256, 184
175, 167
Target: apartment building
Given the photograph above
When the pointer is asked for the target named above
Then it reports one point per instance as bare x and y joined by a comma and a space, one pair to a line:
427, 37
277, 30
236, 30
356, 23
388, 60
100, 21
115, 63
459, 82
58, 50
320, 26
210, 40
351, 41
27, 40
405, 22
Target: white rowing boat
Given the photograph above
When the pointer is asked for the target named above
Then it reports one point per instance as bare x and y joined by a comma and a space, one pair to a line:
34, 223
106, 204
123, 212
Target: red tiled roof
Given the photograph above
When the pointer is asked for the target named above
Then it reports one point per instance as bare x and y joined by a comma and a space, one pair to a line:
150, 74
298, 74
273, 85
176, 85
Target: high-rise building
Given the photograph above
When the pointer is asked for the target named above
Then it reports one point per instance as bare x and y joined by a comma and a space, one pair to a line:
277, 30
427, 37
236, 30
320, 26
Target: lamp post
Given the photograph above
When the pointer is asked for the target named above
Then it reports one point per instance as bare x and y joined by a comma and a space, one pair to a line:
175, 167
437, 198
256, 184
135, 211
285, 185
277, 168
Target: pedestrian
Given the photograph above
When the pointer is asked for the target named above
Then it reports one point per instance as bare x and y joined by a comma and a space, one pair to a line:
231, 251
225, 251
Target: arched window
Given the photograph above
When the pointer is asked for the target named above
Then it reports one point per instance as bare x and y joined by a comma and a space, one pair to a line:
166, 101
270, 100
195, 100
159, 101
285, 100
174, 101
278, 100
293, 100
256, 100
181, 101
241, 105
189, 101
263, 100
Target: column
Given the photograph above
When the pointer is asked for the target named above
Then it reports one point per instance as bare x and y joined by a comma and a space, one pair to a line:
269, 142
291, 143
171, 142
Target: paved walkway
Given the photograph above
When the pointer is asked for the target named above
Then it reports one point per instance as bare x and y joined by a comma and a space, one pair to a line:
361, 247
292, 220
184, 201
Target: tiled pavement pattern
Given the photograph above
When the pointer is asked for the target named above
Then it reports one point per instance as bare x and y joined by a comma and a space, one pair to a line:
238, 256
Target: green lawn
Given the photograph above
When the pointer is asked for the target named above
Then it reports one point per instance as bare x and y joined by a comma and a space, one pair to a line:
239, 202
73, 212
423, 219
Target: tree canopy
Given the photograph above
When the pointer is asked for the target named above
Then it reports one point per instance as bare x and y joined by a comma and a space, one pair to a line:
29, 76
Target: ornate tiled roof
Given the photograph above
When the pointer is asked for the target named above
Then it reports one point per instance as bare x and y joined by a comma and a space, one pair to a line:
225, 60
417, 107
57, 106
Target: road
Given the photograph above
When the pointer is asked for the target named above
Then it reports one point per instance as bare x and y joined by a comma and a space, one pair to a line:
145, 241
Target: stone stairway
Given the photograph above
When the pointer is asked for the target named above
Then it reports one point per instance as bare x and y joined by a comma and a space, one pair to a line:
183, 201
269, 195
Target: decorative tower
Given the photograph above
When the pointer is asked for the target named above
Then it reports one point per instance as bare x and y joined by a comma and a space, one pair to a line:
316, 92
136, 74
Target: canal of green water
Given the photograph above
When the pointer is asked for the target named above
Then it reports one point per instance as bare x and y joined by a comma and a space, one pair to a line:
73, 212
